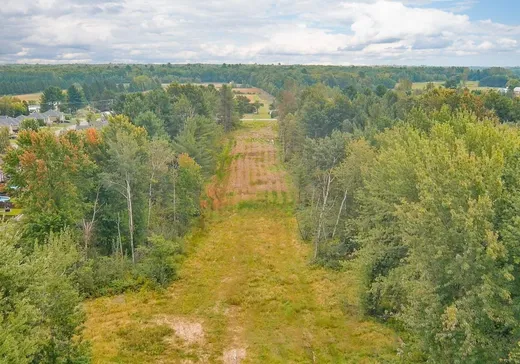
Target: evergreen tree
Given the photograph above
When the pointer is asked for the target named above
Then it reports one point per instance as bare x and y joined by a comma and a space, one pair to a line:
52, 96
75, 98
228, 116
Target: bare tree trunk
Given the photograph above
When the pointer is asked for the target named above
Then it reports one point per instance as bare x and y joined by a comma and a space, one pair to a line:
283, 142
174, 197
130, 216
326, 190
88, 226
119, 234
150, 201
339, 213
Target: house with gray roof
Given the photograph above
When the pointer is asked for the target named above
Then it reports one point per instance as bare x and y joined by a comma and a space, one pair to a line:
12, 123
37, 116
54, 116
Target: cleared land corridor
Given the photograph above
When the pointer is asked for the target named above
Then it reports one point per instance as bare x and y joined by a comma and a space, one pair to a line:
246, 293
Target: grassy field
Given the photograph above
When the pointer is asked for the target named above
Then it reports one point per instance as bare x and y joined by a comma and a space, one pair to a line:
471, 85
264, 110
34, 97
13, 212
246, 291
30, 97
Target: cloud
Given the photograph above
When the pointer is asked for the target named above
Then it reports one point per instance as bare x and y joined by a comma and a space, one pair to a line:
265, 31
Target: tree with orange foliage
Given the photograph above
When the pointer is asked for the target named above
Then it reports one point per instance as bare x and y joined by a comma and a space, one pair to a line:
50, 174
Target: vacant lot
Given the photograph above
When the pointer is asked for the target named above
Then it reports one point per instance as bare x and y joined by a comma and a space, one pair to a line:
246, 292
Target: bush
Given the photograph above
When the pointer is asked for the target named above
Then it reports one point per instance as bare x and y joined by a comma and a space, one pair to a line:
30, 124
107, 276
156, 266
157, 260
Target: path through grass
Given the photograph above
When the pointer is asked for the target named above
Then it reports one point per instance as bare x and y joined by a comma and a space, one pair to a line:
246, 293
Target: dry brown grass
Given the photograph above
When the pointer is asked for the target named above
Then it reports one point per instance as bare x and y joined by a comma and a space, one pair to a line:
255, 168
30, 97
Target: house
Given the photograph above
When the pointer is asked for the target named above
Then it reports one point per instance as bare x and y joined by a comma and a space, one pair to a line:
37, 116
33, 115
516, 91
34, 108
53, 116
48, 117
12, 123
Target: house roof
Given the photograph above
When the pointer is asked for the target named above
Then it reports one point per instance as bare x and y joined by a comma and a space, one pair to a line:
8, 121
53, 113
37, 116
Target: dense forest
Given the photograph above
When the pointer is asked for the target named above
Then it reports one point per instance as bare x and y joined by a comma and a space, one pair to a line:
21, 79
422, 192
104, 212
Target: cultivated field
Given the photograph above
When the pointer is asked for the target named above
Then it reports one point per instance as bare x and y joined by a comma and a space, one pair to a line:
30, 97
255, 173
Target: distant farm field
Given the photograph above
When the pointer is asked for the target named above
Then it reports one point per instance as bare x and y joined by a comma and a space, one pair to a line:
35, 97
30, 97
471, 85
263, 113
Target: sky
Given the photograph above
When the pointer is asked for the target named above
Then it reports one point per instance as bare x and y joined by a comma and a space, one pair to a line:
346, 32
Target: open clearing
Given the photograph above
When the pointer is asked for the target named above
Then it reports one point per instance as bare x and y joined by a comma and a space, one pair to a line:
246, 292
471, 85
30, 97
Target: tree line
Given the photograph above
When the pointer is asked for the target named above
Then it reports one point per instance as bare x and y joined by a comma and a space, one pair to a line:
104, 211
20, 79
418, 194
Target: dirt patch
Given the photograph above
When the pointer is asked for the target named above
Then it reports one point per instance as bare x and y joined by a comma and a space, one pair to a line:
234, 356
190, 331
119, 299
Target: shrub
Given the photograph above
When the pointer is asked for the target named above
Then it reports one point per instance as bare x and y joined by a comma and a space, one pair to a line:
157, 260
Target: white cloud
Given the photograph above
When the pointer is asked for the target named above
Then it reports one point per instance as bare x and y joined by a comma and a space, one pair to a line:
390, 20
266, 31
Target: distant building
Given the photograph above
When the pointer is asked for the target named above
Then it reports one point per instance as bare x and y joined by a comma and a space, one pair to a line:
36, 116
48, 117
516, 91
34, 108
12, 123
54, 116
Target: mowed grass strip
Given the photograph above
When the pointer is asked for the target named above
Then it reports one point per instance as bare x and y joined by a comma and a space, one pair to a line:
246, 293
249, 284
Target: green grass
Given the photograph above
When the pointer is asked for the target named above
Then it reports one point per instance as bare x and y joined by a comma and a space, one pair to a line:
13, 212
471, 85
248, 282
263, 113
